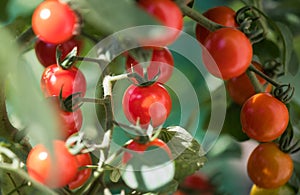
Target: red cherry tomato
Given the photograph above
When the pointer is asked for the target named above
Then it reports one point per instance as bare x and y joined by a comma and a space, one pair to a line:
222, 15
83, 175
269, 167
169, 14
161, 62
54, 78
231, 51
136, 147
264, 118
46, 52
147, 104
197, 183
54, 22
71, 122
54, 171
240, 88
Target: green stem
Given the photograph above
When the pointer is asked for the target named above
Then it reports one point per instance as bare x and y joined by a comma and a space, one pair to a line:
264, 76
198, 17
93, 100
86, 59
256, 84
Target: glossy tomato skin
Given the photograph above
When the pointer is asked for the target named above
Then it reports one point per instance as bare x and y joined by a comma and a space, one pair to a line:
136, 147
82, 175
231, 52
54, 21
54, 78
169, 14
222, 15
240, 88
263, 117
161, 62
56, 171
151, 103
46, 52
283, 190
71, 122
269, 167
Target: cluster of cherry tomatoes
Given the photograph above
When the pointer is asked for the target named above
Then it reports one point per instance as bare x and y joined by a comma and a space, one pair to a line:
264, 118
144, 103
55, 23
147, 103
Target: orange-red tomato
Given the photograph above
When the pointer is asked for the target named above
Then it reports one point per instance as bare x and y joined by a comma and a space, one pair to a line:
147, 104
54, 22
54, 171
82, 175
222, 15
169, 14
240, 88
263, 117
269, 167
228, 54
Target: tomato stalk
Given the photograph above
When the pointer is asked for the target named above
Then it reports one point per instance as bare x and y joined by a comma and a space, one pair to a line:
198, 17
283, 92
256, 84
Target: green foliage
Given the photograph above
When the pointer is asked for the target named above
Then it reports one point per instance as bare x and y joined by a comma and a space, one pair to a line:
187, 152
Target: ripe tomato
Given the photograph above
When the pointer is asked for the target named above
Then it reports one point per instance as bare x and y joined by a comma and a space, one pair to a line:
240, 88
196, 184
231, 51
71, 122
169, 14
54, 171
283, 190
269, 167
222, 15
147, 104
46, 52
139, 148
162, 61
264, 118
83, 175
54, 78
54, 22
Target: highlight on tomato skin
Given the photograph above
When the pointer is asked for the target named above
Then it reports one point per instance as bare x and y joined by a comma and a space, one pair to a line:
54, 22
268, 167
222, 15
227, 53
264, 118
162, 63
53, 171
147, 104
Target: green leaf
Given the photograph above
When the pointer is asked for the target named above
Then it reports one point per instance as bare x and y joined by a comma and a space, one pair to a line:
232, 125
266, 50
293, 66
186, 151
112, 16
287, 37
